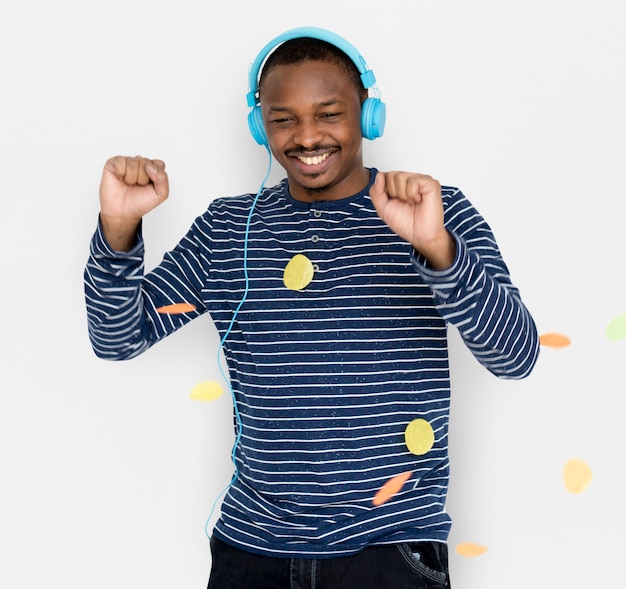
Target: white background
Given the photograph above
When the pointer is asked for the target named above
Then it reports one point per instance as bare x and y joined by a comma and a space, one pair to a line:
108, 471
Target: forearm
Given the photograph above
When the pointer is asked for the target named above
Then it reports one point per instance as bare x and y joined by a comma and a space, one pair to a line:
113, 300
496, 326
481, 302
120, 234
127, 310
440, 253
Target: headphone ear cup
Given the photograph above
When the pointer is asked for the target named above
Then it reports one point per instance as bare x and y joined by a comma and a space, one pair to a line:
255, 124
373, 116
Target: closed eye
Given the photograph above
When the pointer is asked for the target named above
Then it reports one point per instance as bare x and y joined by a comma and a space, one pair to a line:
281, 120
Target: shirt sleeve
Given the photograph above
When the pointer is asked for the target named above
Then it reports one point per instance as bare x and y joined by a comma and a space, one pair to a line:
476, 294
127, 310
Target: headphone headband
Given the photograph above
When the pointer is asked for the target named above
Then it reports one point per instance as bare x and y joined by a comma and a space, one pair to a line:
367, 75
373, 110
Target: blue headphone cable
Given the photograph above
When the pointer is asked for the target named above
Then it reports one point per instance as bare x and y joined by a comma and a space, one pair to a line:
226, 334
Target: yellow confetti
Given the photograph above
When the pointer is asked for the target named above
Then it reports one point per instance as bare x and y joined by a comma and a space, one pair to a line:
298, 272
469, 549
577, 475
391, 488
554, 340
208, 390
419, 437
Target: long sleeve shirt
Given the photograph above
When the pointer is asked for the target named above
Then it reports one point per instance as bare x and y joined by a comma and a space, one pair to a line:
327, 378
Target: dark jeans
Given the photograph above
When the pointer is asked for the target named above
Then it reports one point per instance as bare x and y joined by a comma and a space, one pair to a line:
399, 566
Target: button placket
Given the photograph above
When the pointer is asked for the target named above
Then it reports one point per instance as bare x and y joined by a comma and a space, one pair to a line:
317, 213
316, 230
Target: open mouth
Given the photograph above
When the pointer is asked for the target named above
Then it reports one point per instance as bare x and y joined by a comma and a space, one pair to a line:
313, 160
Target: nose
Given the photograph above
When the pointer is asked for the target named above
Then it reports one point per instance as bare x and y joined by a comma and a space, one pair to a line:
308, 133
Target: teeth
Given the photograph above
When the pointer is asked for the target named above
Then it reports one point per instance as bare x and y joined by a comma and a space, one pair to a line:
312, 161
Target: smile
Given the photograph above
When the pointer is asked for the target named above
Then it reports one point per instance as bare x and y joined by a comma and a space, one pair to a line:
313, 160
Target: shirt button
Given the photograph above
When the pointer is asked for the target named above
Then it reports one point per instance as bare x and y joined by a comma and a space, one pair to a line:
317, 213
315, 238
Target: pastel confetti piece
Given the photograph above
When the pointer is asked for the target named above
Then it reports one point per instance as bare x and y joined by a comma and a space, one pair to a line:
208, 390
391, 488
577, 475
554, 340
177, 308
419, 436
469, 549
298, 272
616, 329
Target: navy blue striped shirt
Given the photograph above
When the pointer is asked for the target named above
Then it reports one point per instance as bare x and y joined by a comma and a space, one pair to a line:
327, 378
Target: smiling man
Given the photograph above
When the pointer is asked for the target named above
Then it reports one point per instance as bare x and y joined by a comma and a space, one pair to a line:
312, 116
332, 292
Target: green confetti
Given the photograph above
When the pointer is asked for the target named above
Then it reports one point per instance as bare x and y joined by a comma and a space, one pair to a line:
616, 330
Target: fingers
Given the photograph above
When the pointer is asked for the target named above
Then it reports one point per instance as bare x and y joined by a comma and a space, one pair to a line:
377, 190
408, 186
136, 170
155, 169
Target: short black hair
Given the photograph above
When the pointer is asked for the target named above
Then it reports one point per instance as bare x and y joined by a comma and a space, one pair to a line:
295, 51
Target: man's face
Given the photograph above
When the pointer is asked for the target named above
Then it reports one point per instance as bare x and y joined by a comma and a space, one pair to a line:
312, 117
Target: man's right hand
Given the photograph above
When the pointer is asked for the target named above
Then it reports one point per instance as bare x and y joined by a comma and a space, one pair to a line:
130, 188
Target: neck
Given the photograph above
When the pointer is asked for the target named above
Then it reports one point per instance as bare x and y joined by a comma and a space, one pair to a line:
333, 191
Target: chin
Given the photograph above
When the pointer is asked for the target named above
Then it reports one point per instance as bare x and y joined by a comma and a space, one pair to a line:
314, 183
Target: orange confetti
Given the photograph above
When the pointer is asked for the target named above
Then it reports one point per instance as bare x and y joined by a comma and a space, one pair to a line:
391, 487
469, 549
177, 308
554, 340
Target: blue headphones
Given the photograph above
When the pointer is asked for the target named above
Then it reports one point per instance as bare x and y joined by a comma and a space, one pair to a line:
373, 110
